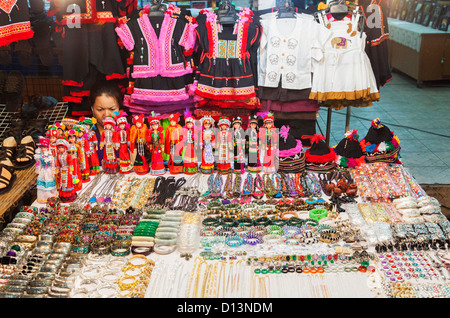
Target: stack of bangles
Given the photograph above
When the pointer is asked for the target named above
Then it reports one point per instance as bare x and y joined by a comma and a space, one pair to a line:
121, 247
143, 238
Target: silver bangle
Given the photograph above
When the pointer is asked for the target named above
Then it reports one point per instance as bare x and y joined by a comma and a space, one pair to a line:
37, 290
40, 282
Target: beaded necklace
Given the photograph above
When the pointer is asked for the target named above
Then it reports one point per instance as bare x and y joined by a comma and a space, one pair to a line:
228, 185
247, 190
217, 186
237, 186
258, 186
268, 186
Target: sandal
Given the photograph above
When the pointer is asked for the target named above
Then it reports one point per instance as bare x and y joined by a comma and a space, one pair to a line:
7, 175
9, 147
25, 153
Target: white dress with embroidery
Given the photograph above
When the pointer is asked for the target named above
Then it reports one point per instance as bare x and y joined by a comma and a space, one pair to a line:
344, 73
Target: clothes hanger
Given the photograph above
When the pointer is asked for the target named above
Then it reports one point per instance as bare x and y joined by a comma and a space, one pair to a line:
157, 9
286, 10
226, 13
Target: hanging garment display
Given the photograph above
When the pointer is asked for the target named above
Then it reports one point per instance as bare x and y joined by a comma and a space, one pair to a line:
343, 76
161, 71
14, 21
226, 73
377, 31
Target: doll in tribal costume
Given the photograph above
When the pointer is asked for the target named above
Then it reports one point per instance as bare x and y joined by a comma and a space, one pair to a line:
138, 143
53, 135
123, 143
224, 146
83, 144
45, 168
107, 141
74, 152
93, 162
238, 146
64, 170
173, 144
268, 137
190, 160
252, 134
207, 142
155, 140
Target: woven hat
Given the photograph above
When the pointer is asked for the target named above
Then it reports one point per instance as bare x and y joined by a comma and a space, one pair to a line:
138, 119
175, 117
52, 130
269, 118
380, 144
319, 157
63, 142
206, 119
237, 119
291, 157
189, 119
121, 118
89, 122
253, 119
109, 120
43, 142
69, 122
224, 121
348, 150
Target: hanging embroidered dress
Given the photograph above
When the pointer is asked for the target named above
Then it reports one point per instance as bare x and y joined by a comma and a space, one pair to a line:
14, 21
225, 72
161, 71
343, 76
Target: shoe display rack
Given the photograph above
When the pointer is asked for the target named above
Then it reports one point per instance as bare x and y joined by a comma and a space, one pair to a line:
54, 114
26, 178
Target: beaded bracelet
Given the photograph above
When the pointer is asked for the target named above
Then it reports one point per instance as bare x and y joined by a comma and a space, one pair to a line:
258, 230
228, 222
211, 222
245, 221
234, 241
279, 222
264, 221
252, 239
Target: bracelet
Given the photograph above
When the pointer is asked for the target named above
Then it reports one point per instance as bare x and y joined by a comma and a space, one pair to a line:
279, 222
211, 222
127, 282
245, 221
258, 230
329, 237
228, 222
165, 242
164, 249
264, 221
252, 239
291, 230
141, 250
142, 261
234, 241
318, 214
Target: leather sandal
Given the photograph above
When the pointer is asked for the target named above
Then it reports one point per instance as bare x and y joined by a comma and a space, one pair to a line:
7, 175
9, 147
25, 153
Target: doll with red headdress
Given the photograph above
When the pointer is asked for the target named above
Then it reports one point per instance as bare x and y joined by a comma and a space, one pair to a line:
107, 142
91, 137
173, 144
64, 170
83, 146
190, 160
224, 146
123, 142
138, 145
45, 168
268, 137
207, 142
155, 141
74, 152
